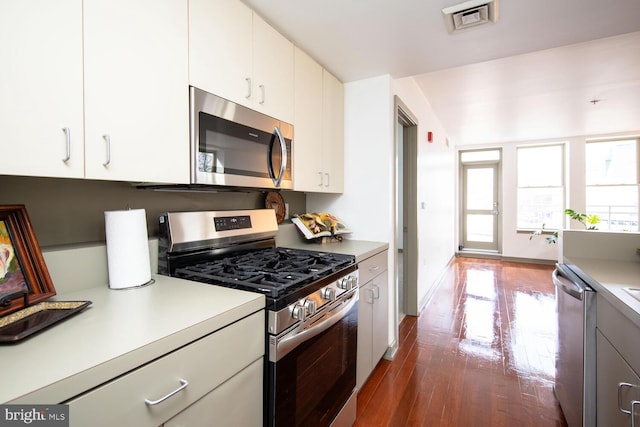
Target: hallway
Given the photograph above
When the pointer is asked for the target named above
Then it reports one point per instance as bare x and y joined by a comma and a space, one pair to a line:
480, 354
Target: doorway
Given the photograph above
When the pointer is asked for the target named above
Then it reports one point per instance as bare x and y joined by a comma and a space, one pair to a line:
480, 205
406, 257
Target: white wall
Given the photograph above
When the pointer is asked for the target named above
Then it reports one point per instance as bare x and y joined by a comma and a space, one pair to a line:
436, 190
368, 203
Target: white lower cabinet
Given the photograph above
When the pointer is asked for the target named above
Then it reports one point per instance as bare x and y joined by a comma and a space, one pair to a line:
373, 315
223, 407
617, 386
210, 369
617, 367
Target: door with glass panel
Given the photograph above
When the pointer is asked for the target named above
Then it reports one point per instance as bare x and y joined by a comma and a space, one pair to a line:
480, 206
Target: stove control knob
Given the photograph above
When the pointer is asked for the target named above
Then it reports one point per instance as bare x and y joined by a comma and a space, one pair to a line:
343, 284
297, 312
353, 281
329, 294
310, 307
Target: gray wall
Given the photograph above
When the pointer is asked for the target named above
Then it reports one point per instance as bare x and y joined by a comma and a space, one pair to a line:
70, 211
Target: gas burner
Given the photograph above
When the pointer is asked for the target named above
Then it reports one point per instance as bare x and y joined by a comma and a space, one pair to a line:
275, 272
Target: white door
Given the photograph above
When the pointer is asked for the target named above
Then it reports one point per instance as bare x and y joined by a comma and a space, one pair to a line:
480, 206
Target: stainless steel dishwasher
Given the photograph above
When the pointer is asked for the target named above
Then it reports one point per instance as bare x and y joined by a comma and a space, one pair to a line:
575, 385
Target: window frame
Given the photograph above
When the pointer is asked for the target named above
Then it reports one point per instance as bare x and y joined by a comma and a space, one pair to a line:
635, 184
563, 184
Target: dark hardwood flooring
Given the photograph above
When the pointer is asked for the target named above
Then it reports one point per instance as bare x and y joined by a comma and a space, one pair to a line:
480, 354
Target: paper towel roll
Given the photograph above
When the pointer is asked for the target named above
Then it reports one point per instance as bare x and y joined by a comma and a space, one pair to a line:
127, 248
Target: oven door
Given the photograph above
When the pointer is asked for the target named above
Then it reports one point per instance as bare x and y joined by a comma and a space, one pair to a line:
313, 381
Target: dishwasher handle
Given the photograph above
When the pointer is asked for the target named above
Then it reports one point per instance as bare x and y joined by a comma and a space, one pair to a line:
566, 285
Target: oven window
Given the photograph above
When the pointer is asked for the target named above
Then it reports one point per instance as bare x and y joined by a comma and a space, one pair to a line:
313, 382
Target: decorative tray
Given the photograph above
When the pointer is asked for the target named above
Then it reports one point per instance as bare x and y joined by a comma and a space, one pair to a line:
23, 323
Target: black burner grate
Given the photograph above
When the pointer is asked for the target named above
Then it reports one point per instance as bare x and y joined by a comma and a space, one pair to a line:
274, 272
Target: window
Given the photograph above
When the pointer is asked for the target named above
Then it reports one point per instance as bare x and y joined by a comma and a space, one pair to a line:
612, 183
540, 187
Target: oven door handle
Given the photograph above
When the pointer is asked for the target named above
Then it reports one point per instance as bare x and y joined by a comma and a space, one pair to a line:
282, 348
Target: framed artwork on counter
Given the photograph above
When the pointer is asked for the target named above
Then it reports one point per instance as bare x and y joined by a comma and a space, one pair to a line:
24, 277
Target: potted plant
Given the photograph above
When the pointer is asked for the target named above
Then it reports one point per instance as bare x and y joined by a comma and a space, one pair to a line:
589, 221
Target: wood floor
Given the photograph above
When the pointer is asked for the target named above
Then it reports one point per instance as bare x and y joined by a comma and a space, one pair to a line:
480, 354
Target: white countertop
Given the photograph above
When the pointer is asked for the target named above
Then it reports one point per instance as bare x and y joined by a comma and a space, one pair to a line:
610, 278
119, 331
289, 237
609, 263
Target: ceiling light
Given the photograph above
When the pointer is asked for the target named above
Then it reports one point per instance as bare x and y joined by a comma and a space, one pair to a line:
470, 14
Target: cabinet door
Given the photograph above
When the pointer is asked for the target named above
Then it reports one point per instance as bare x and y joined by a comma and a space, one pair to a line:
136, 90
220, 48
272, 72
333, 133
379, 341
307, 148
612, 370
41, 88
365, 331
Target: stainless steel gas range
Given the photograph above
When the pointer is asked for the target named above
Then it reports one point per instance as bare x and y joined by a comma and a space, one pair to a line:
311, 307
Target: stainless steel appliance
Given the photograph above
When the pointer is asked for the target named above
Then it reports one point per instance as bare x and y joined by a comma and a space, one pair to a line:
311, 307
236, 146
575, 385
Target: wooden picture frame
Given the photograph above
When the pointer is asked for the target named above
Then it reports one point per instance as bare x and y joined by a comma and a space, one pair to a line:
24, 277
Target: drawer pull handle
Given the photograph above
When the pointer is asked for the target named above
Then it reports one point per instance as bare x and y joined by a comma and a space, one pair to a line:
183, 384
620, 387
633, 412
376, 268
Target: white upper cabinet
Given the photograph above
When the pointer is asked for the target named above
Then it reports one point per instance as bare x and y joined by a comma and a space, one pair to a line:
333, 133
272, 71
307, 150
136, 90
235, 54
220, 48
41, 88
319, 128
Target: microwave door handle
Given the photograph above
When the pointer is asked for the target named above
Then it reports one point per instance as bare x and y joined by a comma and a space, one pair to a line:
283, 163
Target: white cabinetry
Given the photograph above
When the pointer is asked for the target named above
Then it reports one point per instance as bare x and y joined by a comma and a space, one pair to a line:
235, 54
211, 368
319, 128
618, 365
135, 83
372, 315
41, 88
615, 380
136, 90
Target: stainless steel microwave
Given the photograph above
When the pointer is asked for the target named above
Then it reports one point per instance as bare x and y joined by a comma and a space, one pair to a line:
233, 145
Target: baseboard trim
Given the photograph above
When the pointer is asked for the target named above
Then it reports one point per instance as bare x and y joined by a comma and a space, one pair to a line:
499, 257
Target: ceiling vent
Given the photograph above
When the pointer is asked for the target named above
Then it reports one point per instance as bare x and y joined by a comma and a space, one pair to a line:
470, 14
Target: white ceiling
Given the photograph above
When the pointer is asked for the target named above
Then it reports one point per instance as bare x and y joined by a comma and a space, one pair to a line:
529, 76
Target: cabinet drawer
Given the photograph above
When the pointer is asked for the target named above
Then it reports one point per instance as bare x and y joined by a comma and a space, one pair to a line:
620, 331
223, 407
205, 364
371, 267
